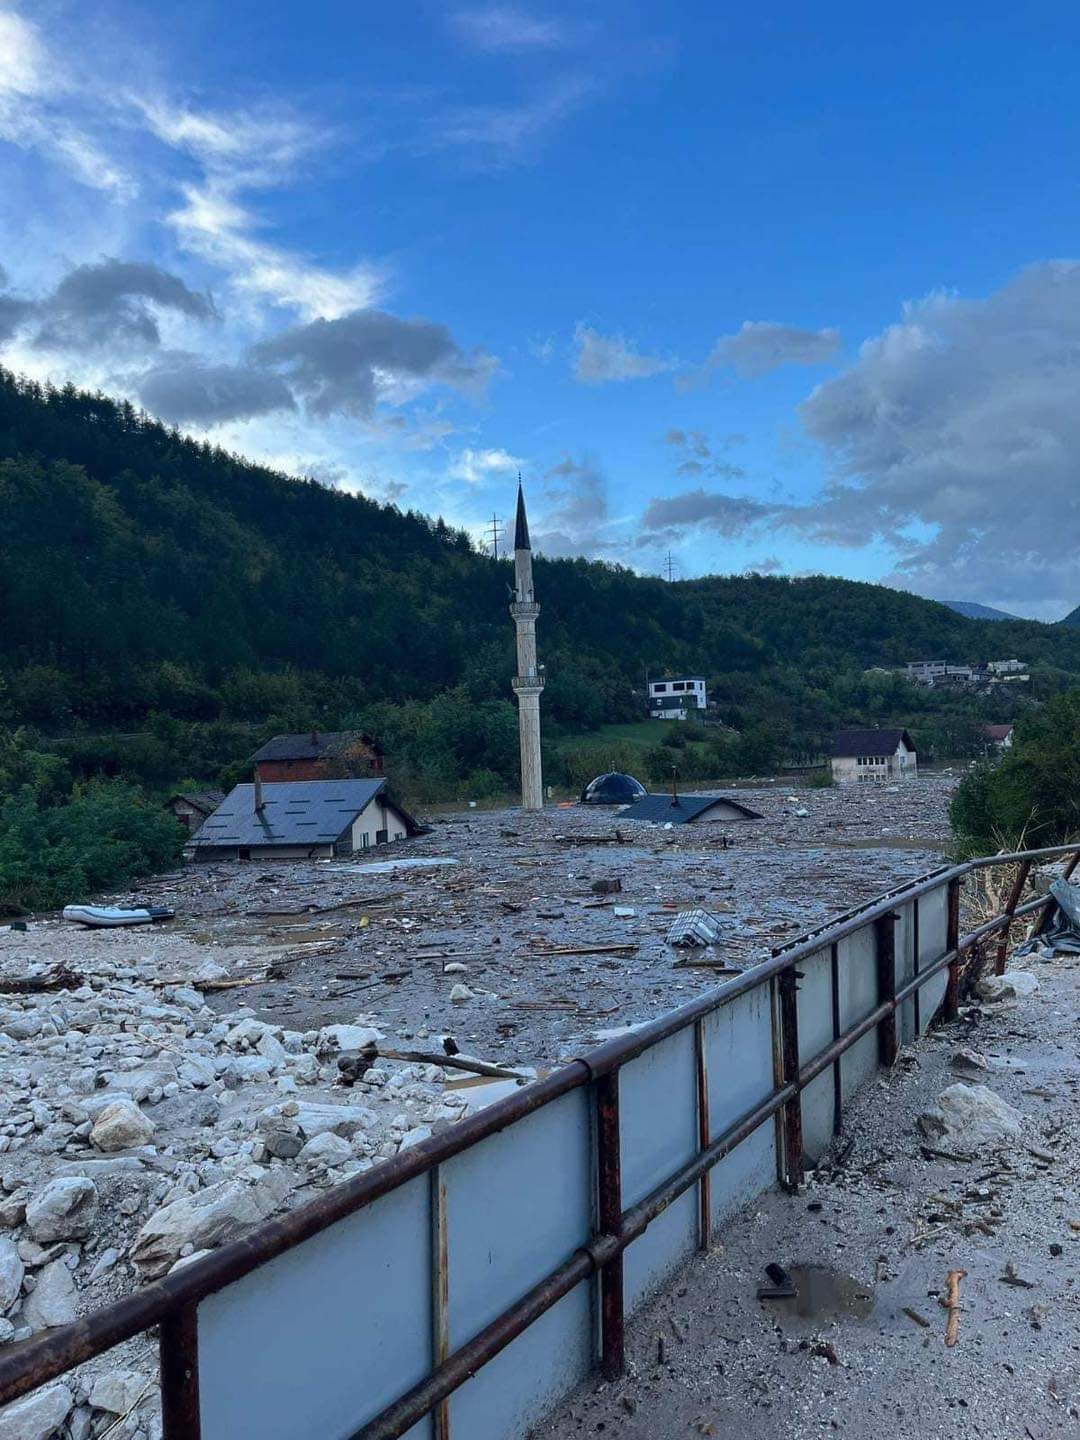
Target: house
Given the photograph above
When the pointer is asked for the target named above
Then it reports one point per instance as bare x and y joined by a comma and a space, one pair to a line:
193, 806
686, 810
998, 737
674, 698
318, 755
1006, 667
302, 819
873, 755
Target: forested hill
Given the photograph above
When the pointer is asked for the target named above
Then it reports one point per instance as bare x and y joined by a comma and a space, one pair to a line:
145, 572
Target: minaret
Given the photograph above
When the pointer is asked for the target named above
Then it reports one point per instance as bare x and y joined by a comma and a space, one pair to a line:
528, 682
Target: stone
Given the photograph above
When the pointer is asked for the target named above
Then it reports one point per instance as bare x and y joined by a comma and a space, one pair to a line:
1013, 985
209, 1218
460, 993
104, 1263
333, 1039
326, 1149
284, 1144
970, 1117
312, 1120
122, 1126
37, 1416
117, 1391
64, 1210
12, 1271
970, 1062
52, 1300
12, 1211
455, 967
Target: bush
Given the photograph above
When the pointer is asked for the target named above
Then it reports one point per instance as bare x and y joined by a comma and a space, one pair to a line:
821, 779
1031, 796
107, 835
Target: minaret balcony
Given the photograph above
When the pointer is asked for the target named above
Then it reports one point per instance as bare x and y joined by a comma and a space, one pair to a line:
524, 609
527, 684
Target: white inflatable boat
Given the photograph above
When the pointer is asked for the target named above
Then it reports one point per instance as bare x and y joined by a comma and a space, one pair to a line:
106, 916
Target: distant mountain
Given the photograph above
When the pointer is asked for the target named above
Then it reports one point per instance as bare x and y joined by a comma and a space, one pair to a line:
974, 611
1073, 618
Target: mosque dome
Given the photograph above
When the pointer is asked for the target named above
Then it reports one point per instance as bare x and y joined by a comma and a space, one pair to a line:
613, 788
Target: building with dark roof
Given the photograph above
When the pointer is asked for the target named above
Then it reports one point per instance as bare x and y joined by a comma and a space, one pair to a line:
686, 810
318, 755
192, 807
873, 755
303, 819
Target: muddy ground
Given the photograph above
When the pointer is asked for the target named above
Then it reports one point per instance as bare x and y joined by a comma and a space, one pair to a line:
521, 885
861, 1352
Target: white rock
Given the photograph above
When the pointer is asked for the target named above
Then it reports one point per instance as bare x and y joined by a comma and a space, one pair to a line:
460, 993
312, 1120
1014, 985
326, 1149
335, 1038
207, 1219
271, 1049
37, 1416
122, 1126
11, 1274
104, 1263
971, 1116
64, 1210
117, 1391
52, 1300
455, 967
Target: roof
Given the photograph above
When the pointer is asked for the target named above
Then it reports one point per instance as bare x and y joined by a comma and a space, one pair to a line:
662, 810
521, 523
997, 732
205, 800
311, 745
614, 787
869, 742
295, 812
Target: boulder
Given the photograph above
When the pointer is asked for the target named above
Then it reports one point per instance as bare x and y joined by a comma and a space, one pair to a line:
460, 993
52, 1300
1014, 985
209, 1218
326, 1149
64, 1210
121, 1126
312, 1120
37, 1416
970, 1117
11, 1274
333, 1039
117, 1390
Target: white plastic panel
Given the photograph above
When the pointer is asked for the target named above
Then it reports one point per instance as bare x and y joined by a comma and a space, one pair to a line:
933, 938
315, 1343
857, 965
518, 1204
658, 1121
739, 1066
905, 966
815, 1033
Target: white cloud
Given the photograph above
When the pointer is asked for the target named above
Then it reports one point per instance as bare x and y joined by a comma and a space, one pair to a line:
498, 136
601, 359
476, 467
501, 29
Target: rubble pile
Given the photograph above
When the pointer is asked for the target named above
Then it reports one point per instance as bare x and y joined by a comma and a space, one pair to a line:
138, 1128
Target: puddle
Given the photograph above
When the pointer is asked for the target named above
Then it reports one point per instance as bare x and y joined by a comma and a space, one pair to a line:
479, 1091
824, 1294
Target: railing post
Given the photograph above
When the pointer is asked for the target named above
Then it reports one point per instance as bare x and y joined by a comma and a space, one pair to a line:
789, 1060
178, 1349
950, 1008
1010, 910
610, 1218
704, 1135
885, 951
837, 1070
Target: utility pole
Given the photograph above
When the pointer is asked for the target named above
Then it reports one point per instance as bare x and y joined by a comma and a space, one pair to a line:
669, 565
495, 523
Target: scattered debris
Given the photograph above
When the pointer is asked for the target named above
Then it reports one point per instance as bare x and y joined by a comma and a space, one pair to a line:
694, 927
914, 1315
1010, 1277
951, 1303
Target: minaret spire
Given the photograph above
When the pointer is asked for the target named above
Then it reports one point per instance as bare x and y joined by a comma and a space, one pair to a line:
528, 682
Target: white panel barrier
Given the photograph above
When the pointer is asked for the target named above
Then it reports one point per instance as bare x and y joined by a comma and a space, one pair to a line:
739, 1066
857, 970
815, 1033
933, 941
319, 1340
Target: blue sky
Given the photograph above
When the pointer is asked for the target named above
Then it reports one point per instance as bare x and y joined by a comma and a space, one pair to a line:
789, 290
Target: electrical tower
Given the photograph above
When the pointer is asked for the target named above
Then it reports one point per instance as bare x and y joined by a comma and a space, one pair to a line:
495, 533
670, 567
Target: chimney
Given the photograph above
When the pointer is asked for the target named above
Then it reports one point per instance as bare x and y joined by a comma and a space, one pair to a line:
259, 801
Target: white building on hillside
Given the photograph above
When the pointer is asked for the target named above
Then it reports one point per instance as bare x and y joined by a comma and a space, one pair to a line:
873, 755
676, 698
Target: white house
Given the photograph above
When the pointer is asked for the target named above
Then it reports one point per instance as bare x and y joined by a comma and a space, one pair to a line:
873, 755
675, 698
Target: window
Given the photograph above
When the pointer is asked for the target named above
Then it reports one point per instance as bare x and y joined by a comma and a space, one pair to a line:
365, 841
381, 837
660, 688
243, 853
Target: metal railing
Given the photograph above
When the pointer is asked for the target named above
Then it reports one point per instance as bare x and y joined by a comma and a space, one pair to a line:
172, 1303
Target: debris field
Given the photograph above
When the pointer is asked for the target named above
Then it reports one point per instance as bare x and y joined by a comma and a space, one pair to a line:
165, 1087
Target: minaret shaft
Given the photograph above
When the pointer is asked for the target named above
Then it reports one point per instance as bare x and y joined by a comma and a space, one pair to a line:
528, 682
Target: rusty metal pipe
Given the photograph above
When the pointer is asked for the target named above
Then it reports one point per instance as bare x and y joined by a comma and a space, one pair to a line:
1010, 910
610, 1219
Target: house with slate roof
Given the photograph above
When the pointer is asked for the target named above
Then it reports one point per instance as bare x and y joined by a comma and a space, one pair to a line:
318, 755
859, 755
303, 820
